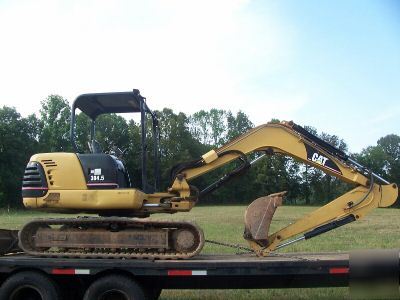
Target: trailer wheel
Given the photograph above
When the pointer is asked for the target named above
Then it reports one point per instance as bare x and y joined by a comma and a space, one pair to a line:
152, 293
29, 285
114, 287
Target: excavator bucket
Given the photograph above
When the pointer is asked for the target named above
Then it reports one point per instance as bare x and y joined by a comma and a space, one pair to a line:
258, 217
9, 241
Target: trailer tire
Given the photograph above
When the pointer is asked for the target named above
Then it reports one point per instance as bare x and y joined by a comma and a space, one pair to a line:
152, 293
114, 287
29, 285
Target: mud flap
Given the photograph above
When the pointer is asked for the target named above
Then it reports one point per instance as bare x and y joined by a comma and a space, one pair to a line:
258, 217
9, 241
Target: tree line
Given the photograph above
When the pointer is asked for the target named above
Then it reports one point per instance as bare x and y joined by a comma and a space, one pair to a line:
182, 138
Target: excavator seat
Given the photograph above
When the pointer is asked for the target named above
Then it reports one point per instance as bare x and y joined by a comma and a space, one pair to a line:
95, 147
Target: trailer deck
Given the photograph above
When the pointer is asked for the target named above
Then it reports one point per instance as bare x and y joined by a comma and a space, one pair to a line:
204, 271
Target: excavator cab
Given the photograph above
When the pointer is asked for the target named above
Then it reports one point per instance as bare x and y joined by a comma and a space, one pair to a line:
99, 166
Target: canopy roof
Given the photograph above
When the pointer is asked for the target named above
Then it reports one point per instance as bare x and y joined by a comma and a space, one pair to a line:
96, 104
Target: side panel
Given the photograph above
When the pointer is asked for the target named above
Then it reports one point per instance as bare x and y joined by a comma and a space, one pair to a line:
92, 200
63, 170
68, 192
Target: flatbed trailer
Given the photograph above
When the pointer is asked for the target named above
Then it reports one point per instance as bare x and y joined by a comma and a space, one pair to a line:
72, 277
204, 271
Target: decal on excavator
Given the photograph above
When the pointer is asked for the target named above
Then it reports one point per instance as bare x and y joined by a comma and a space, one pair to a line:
95, 175
317, 157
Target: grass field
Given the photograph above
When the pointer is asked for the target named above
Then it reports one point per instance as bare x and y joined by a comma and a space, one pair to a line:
380, 229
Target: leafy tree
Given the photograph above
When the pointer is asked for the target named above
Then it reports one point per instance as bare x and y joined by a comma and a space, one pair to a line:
375, 159
82, 132
199, 126
176, 142
384, 158
218, 126
112, 131
390, 146
132, 157
55, 117
18, 141
237, 125
208, 127
232, 192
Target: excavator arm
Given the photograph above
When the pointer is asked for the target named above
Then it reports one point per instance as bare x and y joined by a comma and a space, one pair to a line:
287, 138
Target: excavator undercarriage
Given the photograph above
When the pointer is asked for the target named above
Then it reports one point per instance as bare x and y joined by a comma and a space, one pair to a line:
111, 237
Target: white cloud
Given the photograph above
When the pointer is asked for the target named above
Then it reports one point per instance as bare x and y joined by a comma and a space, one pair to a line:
187, 55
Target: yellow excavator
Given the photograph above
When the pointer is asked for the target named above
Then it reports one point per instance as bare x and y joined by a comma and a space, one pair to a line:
98, 183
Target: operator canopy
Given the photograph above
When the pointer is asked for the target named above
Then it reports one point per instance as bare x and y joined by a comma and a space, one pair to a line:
96, 104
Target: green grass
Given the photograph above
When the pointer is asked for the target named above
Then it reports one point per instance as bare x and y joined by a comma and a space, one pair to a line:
380, 229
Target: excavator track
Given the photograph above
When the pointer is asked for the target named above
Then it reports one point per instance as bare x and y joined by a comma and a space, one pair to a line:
111, 237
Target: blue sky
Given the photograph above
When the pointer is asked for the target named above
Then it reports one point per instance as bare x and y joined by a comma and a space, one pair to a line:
334, 65
347, 61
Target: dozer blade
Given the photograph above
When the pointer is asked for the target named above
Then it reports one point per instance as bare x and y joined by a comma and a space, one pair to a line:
258, 217
9, 241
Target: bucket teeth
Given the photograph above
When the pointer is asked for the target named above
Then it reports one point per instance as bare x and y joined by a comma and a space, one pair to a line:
258, 217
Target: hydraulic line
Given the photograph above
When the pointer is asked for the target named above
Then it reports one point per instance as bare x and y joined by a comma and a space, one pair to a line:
244, 166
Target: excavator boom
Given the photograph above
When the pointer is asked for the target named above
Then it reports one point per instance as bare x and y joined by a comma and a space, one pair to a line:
287, 138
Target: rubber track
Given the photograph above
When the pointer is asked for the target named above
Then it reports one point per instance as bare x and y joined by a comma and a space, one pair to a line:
131, 253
